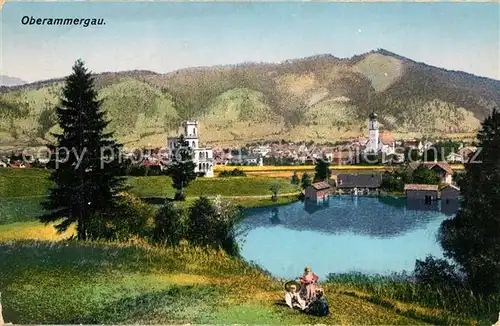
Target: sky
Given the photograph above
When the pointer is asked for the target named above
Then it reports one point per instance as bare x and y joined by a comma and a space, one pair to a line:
166, 36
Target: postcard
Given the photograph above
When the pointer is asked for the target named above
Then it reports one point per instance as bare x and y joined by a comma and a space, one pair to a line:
250, 163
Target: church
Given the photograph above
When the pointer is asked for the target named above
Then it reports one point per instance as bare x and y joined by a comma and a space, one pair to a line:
379, 142
202, 157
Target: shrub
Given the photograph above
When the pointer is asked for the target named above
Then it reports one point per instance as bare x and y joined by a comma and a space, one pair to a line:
438, 272
233, 173
126, 218
275, 188
169, 225
306, 181
213, 224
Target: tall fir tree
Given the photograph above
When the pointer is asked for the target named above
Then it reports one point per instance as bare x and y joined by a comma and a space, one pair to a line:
322, 170
86, 173
181, 167
472, 237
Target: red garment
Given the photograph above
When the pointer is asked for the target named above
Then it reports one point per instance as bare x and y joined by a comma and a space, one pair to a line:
308, 281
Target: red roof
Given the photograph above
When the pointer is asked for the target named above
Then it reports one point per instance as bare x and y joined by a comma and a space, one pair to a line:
421, 187
386, 138
322, 185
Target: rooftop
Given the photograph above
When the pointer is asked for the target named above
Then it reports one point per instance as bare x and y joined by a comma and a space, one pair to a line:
421, 187
321, 185
386, 137
359, 180
445, 166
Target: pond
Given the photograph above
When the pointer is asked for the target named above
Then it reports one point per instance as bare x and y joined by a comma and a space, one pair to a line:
371, 235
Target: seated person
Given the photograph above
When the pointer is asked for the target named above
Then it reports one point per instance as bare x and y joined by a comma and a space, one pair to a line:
292, 296
319, 305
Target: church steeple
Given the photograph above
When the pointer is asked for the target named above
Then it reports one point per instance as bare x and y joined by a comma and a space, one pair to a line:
373, 142
373, 125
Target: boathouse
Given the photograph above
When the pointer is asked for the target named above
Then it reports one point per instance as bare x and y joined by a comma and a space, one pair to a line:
359, 181
450, 192
426, 193
318, 190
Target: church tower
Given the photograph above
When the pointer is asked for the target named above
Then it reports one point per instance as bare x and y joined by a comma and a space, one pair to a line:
191, 133
373, 135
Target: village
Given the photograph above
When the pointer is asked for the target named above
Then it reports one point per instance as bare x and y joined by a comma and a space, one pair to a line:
379, 147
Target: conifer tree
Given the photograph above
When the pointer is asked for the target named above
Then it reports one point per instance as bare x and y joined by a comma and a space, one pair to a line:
472, 237
181, 167
305, 181
86, 175
322, 170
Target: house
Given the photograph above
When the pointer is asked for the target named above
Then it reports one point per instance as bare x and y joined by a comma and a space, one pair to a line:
414, 144
454, 158
262, 150
252, 159
450, 192
428, 193
359, 181
202, 157
443, 170
466, 153
318, 190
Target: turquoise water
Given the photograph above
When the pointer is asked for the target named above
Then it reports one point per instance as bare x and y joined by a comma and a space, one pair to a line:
343, 234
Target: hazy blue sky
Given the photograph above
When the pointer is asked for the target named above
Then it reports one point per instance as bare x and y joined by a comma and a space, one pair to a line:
165, 36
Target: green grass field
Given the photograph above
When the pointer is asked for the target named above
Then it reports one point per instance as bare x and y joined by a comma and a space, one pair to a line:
72, 283
45, 279
23, 183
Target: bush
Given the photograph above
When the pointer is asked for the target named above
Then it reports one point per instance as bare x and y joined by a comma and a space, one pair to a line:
169, 225
213, 224
233, 173
437, 272
126, 218
275, 188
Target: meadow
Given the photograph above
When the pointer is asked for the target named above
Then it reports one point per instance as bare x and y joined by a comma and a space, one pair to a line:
30, 183
46, 279
65, 282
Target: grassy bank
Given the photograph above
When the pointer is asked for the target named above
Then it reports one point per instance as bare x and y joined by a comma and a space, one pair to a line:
73, 283
400, 290
47, 280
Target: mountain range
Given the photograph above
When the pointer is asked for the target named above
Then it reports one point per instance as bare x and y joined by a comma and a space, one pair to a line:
11, 81
321, 98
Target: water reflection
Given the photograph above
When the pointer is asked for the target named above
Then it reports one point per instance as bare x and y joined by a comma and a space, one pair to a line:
275, 218
376, 216
342, 234
449, 206
421, 205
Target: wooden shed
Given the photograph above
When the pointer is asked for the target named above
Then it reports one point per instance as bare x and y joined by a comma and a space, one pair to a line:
450, 192
317, 190
427, 193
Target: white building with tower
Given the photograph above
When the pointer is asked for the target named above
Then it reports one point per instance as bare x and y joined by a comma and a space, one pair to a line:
382, 142
202, 156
